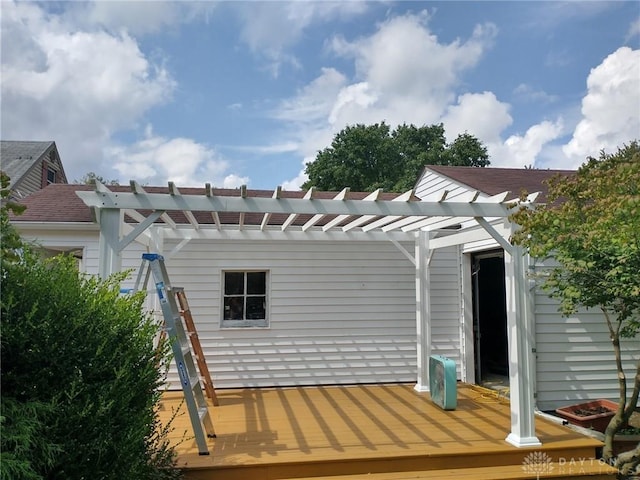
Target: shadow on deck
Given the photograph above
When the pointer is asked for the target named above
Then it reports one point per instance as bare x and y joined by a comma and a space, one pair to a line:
373, 432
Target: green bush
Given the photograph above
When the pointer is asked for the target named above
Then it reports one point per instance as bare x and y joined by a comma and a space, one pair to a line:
80, 377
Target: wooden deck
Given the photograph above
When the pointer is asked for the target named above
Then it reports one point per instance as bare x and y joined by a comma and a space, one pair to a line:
375, 432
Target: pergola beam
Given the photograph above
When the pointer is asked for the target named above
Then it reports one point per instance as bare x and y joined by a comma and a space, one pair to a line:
341, 218
208, 191
137, 189
138, 230
173, 191
469, 235
291, 218
267, 216
405, 197
294, 206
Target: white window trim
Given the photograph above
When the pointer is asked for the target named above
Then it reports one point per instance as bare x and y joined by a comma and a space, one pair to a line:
246, 324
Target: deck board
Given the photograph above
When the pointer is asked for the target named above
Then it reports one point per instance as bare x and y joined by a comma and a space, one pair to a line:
329, 430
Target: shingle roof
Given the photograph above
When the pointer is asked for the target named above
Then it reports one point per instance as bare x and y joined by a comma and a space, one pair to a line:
59, 203
493, 181
17, 157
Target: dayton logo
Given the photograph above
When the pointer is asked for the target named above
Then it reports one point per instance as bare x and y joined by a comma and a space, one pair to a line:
537, 463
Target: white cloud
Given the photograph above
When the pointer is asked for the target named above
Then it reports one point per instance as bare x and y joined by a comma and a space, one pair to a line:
156, 160
295, 183
556, 13
527, 93
611, 107
80, 87
522, 150
404, 74
485, 117
74, 87
269, 28
137, 17
480, 114
234, 181
315, 101
634, 29
405, 68
273, 149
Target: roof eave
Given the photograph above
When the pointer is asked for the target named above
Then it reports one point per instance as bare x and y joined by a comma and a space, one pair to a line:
48, 225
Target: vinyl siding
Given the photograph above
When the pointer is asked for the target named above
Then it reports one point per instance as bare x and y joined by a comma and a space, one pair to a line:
65, 241
338, 312
431, 187
575, 359
446, 305
30, 182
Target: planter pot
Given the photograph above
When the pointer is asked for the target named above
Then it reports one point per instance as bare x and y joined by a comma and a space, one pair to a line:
624, 443
595, 414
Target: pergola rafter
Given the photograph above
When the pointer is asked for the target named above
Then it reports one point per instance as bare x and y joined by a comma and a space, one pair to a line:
428, 224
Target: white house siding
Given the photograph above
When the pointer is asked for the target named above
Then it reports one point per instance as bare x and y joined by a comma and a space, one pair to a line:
339, 312
575, 358
446, 304
85, 240
431, 186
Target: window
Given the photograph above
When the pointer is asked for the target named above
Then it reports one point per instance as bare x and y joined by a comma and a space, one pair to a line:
244, 300
51, 176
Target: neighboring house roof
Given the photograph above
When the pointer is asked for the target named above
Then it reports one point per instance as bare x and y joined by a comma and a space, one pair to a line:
493, 181
19, 159
59, 203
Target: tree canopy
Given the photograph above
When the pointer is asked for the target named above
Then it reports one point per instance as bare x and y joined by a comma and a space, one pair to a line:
368, 157
91, 177
591, 227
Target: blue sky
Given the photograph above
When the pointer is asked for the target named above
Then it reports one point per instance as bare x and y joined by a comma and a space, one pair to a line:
236, 93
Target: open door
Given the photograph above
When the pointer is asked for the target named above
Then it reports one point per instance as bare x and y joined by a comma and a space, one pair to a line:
490, 318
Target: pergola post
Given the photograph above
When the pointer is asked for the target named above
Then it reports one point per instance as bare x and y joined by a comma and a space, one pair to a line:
521, 355
110, 260
423, 311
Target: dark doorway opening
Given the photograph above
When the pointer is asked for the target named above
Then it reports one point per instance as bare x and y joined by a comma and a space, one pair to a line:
490, 318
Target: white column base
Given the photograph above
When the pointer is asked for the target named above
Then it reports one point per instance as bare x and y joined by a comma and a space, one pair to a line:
421, 388
521, 442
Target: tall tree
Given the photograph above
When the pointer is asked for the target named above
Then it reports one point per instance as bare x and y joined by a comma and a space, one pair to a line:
591, 227
91, 177
367, 157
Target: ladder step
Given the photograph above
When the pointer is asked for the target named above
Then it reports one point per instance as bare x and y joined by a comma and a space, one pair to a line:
195, 382
203, 412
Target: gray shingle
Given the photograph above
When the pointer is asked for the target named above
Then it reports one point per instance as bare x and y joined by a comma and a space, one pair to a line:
17, 157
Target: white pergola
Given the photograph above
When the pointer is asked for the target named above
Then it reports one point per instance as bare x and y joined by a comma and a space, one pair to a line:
429, 224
